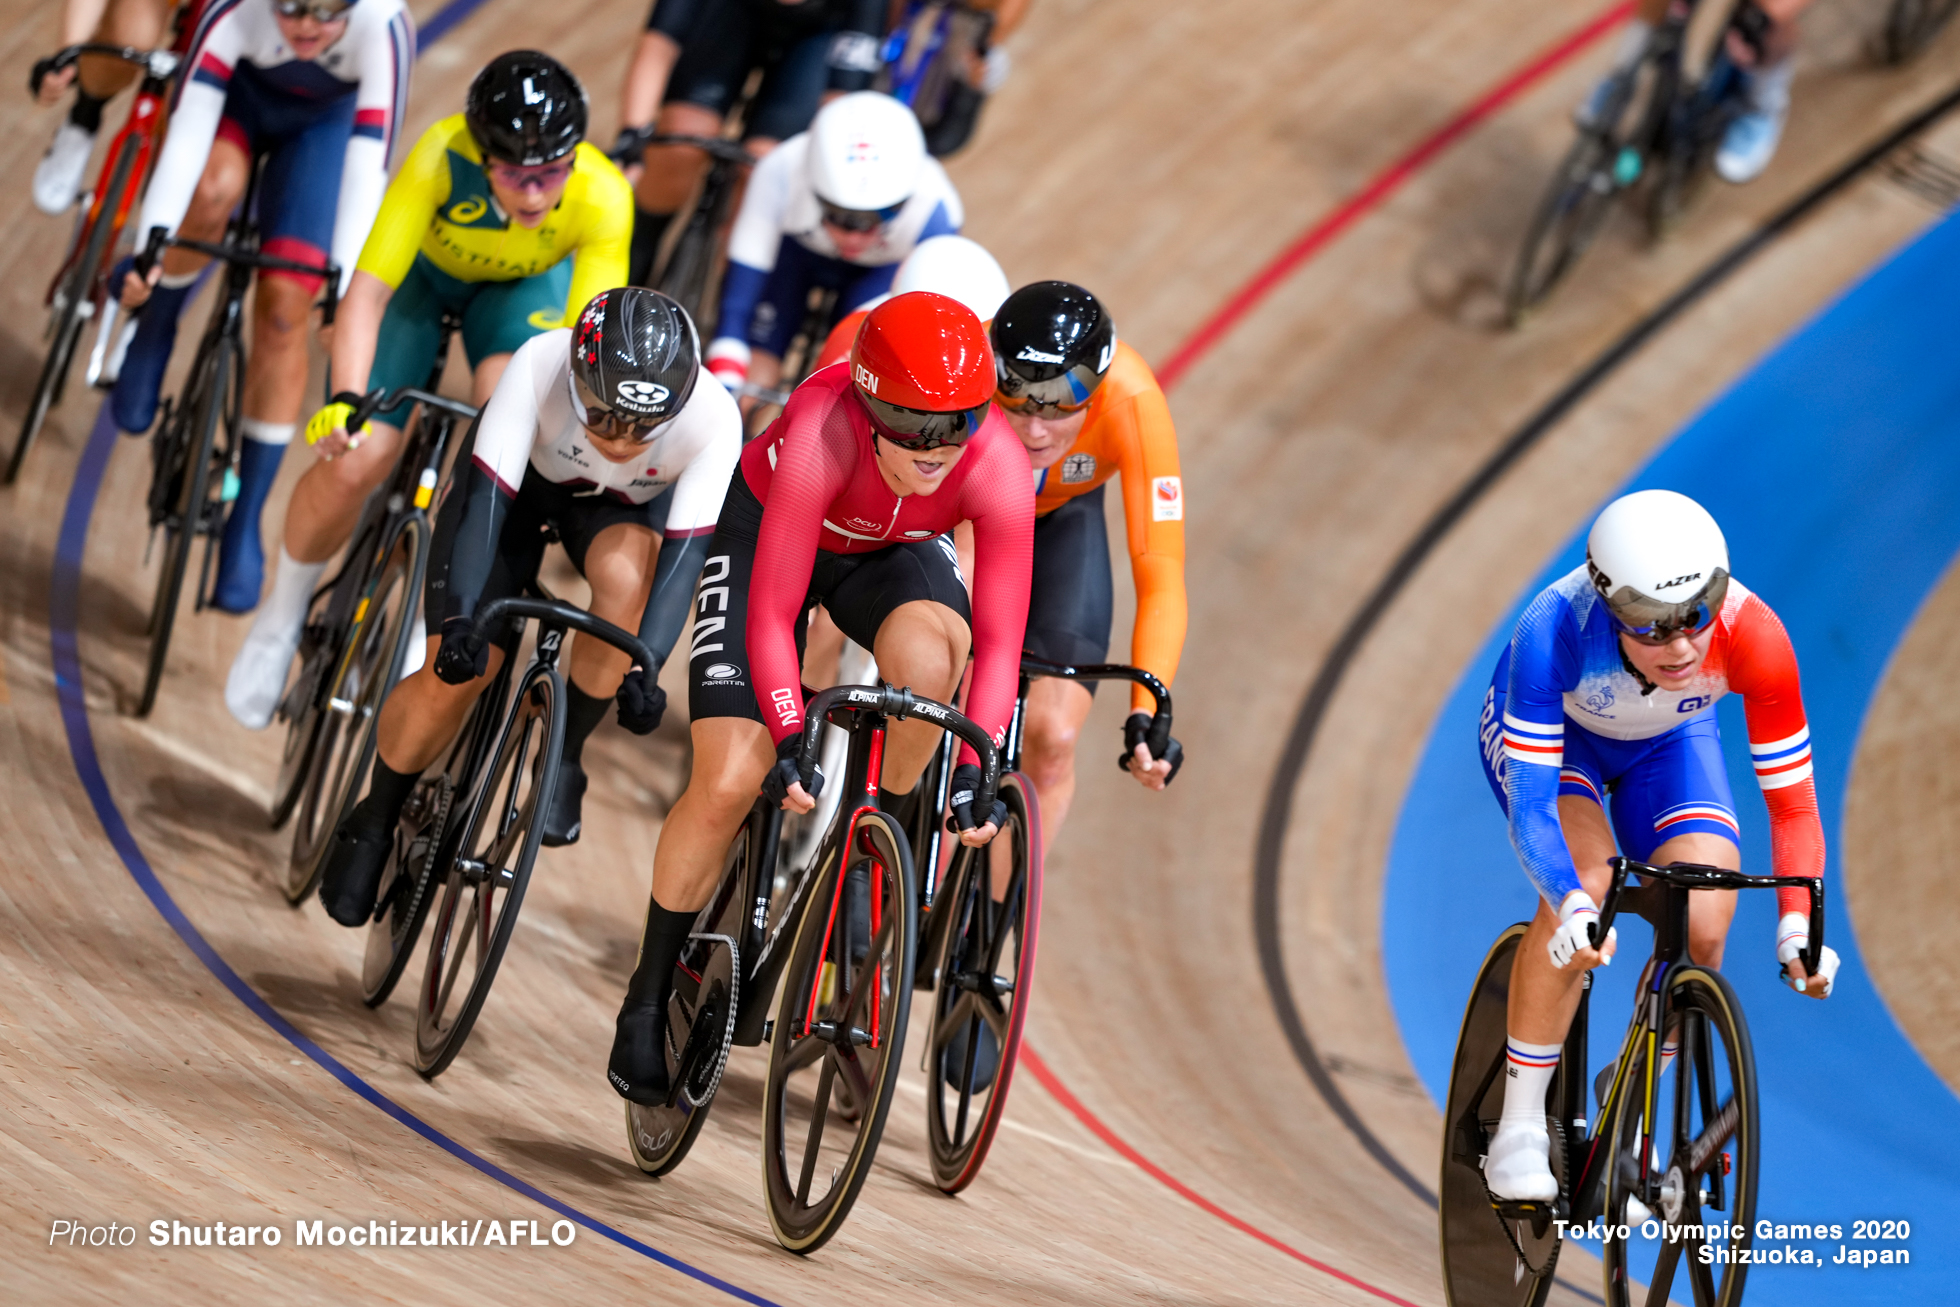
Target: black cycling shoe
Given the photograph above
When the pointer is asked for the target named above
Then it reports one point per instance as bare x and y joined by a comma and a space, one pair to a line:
561, 822
986, 1058
637, 1069
352, 878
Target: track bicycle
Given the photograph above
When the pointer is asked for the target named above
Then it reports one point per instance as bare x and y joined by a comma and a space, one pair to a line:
977, 941
842, 943
689, 269
1651, 129
196, 446
469, 835
819, 316
1911, 26
360, 629
80, 291
1687, 1164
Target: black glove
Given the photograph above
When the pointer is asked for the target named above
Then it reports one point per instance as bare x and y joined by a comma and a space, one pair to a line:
775, 786
963, 791
1136, 730
641, 702
464, 655
1753, 25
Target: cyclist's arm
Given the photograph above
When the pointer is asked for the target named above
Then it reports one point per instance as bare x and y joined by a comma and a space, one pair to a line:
1544, 663
753, 242
691, 517
407, 209
853, 60
599, 262
1763, 670
193, 127
499, 450
814, 462
998, 498
386, 54
1153, 514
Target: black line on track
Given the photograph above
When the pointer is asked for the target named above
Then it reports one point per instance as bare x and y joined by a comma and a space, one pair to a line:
1278, 814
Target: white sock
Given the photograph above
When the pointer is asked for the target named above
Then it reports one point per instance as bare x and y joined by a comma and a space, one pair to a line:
1769, 88
268, 433
1633, 43
1527, 1075
292, 585
177, 280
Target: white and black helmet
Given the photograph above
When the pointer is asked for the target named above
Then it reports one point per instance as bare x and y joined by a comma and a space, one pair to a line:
1660, 563
635, 359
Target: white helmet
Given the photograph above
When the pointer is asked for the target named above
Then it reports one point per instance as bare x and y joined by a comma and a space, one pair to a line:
866, 152
1659, 561
957, 267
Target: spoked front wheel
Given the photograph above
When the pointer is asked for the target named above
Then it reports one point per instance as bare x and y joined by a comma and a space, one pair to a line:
1696, 1187
1490, 1260
186, 451
980, 1004
485, 879
361, 676
840, 1033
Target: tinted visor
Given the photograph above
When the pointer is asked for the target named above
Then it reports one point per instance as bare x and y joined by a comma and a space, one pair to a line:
610, 423
912, 428
1067, 393
323, 11
1653, 621
859, 220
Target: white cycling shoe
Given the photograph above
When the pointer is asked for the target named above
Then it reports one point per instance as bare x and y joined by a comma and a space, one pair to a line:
257, 681
1518, 1166
58, 177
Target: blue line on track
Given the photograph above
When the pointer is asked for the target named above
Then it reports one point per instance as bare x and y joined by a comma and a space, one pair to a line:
63, 630
62, 615
1834, 469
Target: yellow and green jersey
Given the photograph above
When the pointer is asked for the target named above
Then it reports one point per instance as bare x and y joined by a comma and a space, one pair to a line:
440, 206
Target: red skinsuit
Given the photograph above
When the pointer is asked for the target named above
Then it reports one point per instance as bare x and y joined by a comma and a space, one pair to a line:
819, 484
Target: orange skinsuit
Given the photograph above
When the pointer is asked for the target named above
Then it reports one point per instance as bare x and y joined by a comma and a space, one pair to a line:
1129, 430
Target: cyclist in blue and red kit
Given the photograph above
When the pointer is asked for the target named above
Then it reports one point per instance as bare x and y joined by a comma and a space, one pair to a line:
316, 87
1609, 688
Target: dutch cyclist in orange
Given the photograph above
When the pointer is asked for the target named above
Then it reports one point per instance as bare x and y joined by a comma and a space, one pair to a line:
1088, 408
504, 215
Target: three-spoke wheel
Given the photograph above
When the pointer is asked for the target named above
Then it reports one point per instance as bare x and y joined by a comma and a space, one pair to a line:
330, 741
992, 913
484, 879
1700, 1172
839, 1033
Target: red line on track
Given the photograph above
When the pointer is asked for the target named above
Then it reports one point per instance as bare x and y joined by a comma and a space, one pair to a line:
1310, 243
1060, 1091
1384, 184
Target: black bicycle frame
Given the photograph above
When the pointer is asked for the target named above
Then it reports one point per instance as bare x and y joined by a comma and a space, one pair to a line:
1662, 899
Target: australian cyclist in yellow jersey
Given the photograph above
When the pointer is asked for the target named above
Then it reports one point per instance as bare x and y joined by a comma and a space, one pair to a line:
502, 215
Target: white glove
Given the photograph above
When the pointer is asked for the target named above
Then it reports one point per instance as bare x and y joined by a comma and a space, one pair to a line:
1792, 936
1574, 916
728, 361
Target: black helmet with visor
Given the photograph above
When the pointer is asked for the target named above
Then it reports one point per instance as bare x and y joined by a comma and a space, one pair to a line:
525, 108
1053, 343
635, 360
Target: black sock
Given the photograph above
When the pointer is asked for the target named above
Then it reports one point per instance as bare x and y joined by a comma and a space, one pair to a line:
87, 112
388, 792
648, 228
904, 808
583, 713
666, 934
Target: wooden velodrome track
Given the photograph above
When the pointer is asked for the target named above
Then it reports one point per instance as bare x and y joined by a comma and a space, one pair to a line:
1163, 154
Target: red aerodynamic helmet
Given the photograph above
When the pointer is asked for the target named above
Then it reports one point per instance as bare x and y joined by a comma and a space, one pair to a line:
922, 365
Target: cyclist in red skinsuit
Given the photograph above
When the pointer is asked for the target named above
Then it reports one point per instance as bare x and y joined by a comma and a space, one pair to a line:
845, 501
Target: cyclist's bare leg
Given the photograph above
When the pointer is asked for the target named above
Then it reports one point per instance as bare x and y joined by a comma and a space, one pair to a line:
327, 501
218, 192
731, 756
923, 646
135, 23
619, 565
1709, 910
1544, 997
823, 650
275, 376
671, 172
1056, 711
424, 712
